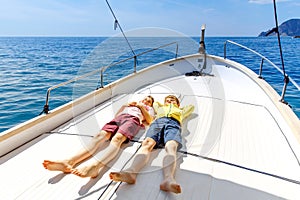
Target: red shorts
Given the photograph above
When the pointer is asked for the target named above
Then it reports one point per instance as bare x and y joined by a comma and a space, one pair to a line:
127, 125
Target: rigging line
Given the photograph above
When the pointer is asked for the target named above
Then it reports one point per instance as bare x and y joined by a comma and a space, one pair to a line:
119, 183
278, 36
234, 165
117, 24
226, 163
242, 167
63, 133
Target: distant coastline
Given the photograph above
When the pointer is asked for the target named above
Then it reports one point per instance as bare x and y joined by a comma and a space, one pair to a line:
290, 27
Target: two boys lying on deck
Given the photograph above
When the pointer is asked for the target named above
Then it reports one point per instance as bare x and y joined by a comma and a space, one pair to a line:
165, 130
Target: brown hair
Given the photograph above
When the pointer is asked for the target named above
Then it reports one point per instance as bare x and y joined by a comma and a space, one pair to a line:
173, 97
151, 99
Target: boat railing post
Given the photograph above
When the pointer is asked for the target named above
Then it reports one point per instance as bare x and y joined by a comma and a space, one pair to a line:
135, 63
202, 44
286, 81
176, 51
101, 77
260, 68
46, 106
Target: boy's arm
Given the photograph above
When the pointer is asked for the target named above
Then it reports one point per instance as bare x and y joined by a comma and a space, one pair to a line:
156, 106
145, 113
187, 110
124, 106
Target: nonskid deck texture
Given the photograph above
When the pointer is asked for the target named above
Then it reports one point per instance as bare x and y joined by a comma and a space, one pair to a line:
236, 146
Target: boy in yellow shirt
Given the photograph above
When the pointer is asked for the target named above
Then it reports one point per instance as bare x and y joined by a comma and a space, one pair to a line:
164, 131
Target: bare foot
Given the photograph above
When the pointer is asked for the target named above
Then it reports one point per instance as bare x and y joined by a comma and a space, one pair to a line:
123, 176
87, 171
170, 185
63, 166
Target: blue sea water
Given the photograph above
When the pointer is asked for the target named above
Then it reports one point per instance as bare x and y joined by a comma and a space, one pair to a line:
30, 65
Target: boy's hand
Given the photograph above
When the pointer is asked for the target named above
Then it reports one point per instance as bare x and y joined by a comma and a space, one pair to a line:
132, 103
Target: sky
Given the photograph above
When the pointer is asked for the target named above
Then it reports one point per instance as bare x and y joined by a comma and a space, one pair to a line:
93, 17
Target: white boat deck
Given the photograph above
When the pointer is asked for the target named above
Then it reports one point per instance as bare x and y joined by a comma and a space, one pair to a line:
236, 146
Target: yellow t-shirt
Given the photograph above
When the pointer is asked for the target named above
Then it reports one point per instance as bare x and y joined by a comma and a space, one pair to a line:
172, 110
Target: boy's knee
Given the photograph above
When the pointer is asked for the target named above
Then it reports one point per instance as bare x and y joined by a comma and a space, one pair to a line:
102, 134
118, 138
148, 143
172, 143
171, 146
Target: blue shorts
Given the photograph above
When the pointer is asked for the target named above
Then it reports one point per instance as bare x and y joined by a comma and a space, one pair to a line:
163, 130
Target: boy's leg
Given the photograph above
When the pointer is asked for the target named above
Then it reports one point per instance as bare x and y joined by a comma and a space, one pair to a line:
139, 161
169, 167
67, 164
109, 153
